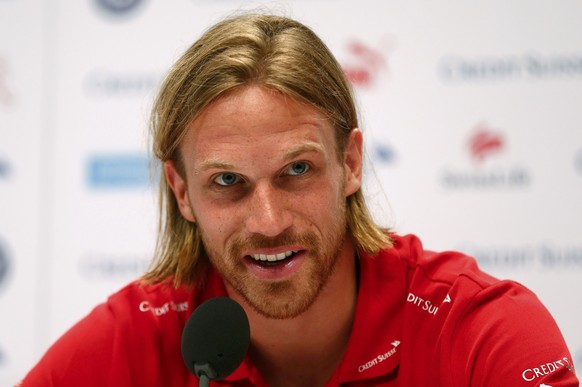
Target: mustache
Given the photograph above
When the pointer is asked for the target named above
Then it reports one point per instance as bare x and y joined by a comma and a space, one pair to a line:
259, 241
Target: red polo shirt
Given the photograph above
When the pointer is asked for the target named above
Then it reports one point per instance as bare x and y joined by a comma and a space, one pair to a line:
422, 319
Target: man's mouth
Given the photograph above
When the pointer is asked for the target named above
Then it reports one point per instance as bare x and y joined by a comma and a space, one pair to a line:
273, 259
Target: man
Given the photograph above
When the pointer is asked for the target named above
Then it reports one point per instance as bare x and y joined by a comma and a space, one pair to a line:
256, 131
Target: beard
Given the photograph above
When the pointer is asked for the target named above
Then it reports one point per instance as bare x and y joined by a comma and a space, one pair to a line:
287, 298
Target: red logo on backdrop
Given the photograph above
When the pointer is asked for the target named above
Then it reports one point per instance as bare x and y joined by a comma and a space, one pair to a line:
6, 96
484, 142
364, 64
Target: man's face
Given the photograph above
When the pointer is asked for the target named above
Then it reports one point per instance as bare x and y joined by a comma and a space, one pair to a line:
263, 181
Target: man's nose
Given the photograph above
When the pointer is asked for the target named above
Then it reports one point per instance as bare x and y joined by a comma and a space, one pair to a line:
268, 212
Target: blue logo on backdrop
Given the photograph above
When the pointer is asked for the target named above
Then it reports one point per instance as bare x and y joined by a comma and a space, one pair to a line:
118, 171
119, 6
4, 169
383, 153
4, 265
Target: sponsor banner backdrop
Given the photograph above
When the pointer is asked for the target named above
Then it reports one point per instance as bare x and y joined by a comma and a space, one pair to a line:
471, 116
22, 185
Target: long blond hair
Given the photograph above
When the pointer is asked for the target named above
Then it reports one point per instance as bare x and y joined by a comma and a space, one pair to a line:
275, 52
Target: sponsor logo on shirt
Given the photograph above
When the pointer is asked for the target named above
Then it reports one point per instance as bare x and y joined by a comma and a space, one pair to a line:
380, 358
426, 305
167, 307
546, 369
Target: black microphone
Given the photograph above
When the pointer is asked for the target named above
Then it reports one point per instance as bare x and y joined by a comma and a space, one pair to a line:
215, 339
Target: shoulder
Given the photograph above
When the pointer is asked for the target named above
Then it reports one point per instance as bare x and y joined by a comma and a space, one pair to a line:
459, 285
444, 266
126, 334
487, 331
142, 301
428, 277
509, 337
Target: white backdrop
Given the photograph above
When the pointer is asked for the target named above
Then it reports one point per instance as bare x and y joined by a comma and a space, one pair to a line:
472, 112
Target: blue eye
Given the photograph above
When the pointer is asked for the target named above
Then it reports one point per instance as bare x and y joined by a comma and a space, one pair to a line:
226, 179
298, 168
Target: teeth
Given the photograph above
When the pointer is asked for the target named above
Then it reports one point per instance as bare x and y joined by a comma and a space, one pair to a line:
272, 257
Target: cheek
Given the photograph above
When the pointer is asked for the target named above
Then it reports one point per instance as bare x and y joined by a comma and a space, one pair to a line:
327, 202
215, 220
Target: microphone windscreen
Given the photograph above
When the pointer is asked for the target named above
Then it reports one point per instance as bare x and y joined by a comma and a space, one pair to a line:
218, 334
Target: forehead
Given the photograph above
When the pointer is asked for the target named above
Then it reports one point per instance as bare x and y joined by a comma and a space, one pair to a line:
253, 118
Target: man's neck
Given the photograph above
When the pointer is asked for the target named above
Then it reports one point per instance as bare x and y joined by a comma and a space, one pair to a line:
307, 349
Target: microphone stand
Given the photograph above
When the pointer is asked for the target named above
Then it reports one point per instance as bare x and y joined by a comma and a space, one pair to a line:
205, 373
203, 380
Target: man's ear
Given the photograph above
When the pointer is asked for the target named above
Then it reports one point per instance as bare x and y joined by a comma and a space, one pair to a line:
180, 189
353, 162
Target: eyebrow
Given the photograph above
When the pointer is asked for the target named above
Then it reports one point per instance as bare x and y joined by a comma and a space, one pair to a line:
303, 148
213, 163
216, 163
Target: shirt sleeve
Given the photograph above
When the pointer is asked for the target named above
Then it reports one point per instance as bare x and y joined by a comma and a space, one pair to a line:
84, 348
131, 340
506, 337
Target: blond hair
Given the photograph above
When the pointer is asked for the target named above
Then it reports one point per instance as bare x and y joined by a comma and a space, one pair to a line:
274, 52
